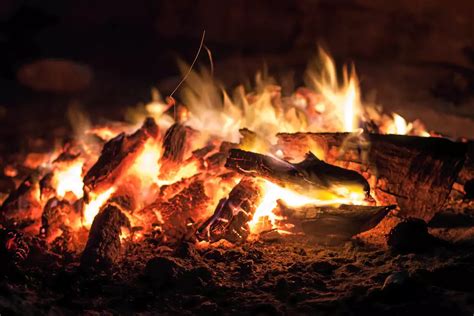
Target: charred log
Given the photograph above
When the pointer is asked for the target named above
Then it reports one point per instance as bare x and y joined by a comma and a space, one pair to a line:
46, 186
467, 172
336, 223
418, 172
174, 143
232, 214
117, 156
55, 217
308, 177
179, 211
13, 247
103, 245
22, 207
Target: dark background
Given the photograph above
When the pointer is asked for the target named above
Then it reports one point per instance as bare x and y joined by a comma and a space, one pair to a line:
414, 57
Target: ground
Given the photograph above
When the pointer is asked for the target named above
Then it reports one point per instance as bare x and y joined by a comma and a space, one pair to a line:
290, 275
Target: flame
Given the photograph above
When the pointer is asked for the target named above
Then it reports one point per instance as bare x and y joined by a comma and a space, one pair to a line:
273, 193
343, 99
146, 166
68, 178
93, 207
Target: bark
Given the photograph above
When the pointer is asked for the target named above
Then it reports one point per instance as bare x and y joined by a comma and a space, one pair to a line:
418, 172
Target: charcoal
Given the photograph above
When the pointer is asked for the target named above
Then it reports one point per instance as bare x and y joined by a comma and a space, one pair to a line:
116, 157
21, 207
231, 217
103, 245
162, 271
54, 217
14, 248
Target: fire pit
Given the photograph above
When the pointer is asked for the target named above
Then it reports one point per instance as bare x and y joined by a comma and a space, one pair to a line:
247, 201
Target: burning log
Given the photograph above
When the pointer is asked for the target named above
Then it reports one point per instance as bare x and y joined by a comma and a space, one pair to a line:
330, 223
117, 156
55, 217
174, 143
103, 245
179, 211
22, 207
308, 177
418, 172
466, 175
232, 214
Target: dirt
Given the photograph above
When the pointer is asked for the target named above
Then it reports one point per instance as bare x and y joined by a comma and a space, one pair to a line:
281, 275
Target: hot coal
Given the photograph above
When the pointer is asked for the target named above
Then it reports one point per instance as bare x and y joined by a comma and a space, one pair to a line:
103, 245
231, 217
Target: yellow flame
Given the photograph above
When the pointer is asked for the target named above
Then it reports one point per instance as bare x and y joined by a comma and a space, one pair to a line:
344, 99
68, 178
146, 165
399, 125
93, 207
273, 193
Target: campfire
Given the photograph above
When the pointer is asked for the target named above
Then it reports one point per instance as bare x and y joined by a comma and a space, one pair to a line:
222, 168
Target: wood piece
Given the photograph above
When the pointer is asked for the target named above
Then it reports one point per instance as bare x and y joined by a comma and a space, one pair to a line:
309, 177
174, 143
22, 207
55, 218
103, 245
467, 172
417, 171
117, 156
178, 212
336, 223
232, 214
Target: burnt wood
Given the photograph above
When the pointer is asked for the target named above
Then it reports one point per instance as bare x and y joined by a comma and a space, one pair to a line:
103, 245
417, 171
308, 177
21, 208
118, 154
232, 214
335, 223
174, 143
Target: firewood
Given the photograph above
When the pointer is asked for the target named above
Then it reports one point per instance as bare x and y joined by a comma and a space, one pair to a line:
309, 177
117, 156
22, 208
174, 143
335, 223
180, 211
103, 245
55, 217
467, 172
418, 172
232, 214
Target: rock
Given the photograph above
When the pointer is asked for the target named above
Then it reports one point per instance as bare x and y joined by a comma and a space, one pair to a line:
410, 236
162, 271
214, 254
55, 75
323, 267
395, 280
187, 250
